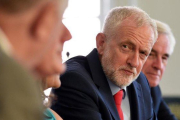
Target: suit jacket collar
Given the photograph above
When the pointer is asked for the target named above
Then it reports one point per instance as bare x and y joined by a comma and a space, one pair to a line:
136, 101
135, 94
101, 82
156, 97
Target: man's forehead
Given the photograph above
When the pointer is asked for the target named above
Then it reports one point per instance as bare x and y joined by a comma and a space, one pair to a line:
128, 22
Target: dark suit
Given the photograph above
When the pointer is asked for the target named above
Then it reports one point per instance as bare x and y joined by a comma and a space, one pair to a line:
160, 107
19, 94
85, 93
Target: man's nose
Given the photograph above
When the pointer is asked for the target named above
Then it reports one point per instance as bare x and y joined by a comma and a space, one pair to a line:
158, 63
133, 60
66, 34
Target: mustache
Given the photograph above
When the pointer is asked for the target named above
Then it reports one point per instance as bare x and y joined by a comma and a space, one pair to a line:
128, 68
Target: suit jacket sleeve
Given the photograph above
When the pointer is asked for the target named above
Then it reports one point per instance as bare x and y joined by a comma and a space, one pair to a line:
76, 98
164, 112
161, 109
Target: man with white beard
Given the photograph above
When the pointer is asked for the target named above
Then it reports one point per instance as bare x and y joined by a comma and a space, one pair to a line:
91, 82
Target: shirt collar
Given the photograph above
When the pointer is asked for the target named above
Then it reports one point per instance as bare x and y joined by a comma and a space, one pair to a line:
5, 45
114, 88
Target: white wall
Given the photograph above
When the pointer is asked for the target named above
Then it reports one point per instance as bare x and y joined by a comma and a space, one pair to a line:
167, 11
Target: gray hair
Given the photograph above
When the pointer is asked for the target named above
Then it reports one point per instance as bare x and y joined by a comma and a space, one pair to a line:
163, 28
118, 14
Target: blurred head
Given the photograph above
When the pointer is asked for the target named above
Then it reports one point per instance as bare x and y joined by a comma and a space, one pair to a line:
52, 61
125, 42
38, 42
156, 63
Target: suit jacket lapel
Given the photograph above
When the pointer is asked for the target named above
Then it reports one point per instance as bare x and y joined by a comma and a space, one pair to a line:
136, 101
101, 82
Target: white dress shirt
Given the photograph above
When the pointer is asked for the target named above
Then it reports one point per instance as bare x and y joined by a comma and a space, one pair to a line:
125, 102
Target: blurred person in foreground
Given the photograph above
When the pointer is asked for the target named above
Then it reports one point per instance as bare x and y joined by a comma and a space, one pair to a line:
51, 64
155, 66
29, 29
90, 82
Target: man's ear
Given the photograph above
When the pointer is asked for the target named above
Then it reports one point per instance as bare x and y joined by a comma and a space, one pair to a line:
45, 22
100, 42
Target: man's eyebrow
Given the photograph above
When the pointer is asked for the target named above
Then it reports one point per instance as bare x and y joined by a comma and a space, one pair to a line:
153, 50
129, 42
166, 54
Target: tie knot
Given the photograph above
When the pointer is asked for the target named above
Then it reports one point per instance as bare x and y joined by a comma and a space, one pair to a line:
118, 97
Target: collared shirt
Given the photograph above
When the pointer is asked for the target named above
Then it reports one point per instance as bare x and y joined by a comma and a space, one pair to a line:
5, 45
125, 102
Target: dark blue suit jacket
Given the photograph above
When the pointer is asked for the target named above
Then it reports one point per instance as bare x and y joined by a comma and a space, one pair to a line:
160, 107
85, 93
